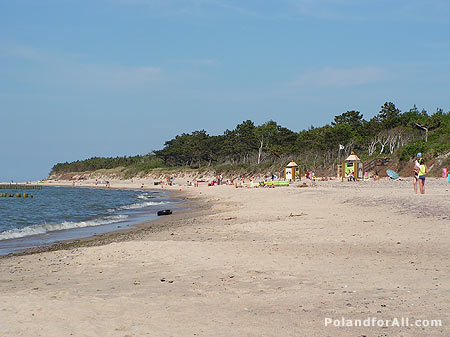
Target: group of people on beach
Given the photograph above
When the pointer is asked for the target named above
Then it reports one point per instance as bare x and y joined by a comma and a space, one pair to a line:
310, 175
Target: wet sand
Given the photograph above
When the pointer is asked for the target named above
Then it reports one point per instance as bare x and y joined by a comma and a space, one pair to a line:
250, 262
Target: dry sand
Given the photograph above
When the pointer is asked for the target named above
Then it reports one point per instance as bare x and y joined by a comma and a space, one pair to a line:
257, 262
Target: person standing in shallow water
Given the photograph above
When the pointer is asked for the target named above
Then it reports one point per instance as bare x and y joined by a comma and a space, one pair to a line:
422, 172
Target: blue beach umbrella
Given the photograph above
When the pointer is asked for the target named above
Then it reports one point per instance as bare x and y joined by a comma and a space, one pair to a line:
392, 174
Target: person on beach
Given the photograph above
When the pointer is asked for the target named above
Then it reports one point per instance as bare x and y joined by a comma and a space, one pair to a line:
376, 176
416, 171
422, 172
352, 176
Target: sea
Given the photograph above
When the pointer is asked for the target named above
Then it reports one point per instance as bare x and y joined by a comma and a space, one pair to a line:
57, 214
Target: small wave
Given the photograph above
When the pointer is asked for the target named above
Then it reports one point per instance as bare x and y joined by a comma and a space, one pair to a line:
145, 196
143, 204
136, 205
42, 229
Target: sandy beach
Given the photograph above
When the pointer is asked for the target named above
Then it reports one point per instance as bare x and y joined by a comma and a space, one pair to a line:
249, 262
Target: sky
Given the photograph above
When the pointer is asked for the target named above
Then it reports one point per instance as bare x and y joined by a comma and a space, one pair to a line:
84, 78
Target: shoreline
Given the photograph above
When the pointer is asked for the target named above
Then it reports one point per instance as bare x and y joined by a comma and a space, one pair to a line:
137, 232
114, 235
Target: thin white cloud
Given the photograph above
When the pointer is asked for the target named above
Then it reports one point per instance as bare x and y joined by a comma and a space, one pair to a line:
249, 8
362, 10
335, 10
115, 75
25, 52
201, 62
69, 70
332, 77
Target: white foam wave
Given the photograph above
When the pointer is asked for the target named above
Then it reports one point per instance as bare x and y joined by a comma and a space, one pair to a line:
137, 205
143, 204
145, 196
42, 229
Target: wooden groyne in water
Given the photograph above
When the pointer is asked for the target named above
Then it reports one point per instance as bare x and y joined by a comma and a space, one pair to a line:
17, 195
19, 187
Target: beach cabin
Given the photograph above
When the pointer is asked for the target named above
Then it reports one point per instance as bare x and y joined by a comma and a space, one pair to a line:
292, 171
353, 164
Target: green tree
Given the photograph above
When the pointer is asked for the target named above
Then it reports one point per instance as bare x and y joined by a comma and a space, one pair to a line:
274, 139
265, 134
389, 115
245, 140
352, 118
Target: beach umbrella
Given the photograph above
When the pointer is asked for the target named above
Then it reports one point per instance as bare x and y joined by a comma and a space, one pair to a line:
392, 174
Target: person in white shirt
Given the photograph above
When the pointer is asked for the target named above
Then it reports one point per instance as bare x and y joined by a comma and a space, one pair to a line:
416, 171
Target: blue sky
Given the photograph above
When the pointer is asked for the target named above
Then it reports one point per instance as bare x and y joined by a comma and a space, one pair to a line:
119, 77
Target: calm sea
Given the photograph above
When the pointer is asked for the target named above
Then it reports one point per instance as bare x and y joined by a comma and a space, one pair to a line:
63, 213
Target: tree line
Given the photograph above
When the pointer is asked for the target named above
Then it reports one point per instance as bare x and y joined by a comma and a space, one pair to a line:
389, 132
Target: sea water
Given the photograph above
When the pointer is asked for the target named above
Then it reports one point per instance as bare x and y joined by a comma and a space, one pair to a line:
63, 213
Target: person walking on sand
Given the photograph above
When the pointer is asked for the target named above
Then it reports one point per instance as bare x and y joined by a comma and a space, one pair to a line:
416, 171
422, 172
